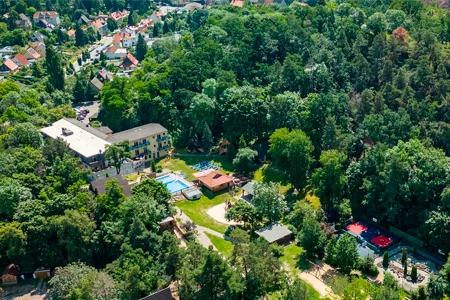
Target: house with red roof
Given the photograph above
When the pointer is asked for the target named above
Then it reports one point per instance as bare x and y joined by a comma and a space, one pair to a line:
129, 63
100, 25
20, 60
39, 47
115, 52
46, 18
8, 67
237, 3
118, 16
214, 180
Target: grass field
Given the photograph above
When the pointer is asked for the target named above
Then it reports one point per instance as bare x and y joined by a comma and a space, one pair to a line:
183, 164
224, 247
196, 210
270, 174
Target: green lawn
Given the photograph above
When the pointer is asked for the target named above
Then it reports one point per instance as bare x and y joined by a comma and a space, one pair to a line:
224, 247
268, 173
183, 164
196, 210
292, 258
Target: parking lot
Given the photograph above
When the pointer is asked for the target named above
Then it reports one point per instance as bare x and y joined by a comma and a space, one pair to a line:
93, 108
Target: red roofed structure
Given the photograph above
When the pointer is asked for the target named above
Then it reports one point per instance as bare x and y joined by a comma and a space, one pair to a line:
129, 63
10, 274
214, 180
8, 66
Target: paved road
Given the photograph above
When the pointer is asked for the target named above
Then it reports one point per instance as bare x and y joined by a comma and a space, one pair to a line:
202, 238
104, 43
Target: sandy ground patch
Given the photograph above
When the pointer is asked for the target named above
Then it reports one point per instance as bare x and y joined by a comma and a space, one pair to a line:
218, 213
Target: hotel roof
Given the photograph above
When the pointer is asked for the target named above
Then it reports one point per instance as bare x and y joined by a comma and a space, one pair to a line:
82, 141
137, 133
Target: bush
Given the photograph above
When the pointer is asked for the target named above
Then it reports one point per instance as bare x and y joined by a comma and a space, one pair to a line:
414, 273
368, 267
404, 256
405, 269
386, 259
153, 165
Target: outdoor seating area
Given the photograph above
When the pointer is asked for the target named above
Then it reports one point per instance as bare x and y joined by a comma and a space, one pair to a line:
205, 165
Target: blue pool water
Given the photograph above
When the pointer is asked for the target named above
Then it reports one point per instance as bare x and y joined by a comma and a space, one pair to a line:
173, 184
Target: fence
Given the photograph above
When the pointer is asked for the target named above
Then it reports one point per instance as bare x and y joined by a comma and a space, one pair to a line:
406, 236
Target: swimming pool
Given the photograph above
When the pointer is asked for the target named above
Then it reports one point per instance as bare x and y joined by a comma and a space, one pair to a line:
173, 183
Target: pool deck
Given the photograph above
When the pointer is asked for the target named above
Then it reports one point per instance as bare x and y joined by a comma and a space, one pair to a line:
174, 178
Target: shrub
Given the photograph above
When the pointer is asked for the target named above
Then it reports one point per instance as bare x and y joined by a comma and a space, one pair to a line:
153, 165
368, 267
414, 273
404, 256
386, 259
405, 269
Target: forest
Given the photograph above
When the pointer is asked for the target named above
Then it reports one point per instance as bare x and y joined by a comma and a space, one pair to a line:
351, 99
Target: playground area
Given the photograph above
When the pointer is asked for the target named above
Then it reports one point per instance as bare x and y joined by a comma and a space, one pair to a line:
371, 235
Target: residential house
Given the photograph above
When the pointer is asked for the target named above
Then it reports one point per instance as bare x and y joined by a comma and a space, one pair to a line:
100, 80
31, 54
6, 51
11, 274
118, 38
275, 233
37, 37
20, 60
24, 22
46, 18
129, 41
129, 63
8, 67
191, 6
147, 142
214, 180
97, 84
115, 52
104, 76
83, 20
71, 33
39, 48
156, 17
118, 16
100, 25
237, 3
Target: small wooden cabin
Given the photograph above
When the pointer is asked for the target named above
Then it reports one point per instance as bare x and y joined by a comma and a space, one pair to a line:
10, 274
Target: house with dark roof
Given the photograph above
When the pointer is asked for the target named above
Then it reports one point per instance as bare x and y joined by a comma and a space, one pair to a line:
83, 20
37, 37
164, 294
10, 274
97, 84
99, 186
129, 63
275, 233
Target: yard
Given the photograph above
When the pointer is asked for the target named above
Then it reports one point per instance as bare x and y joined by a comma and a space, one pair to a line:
224, 247
196, 210
267, 173
183, 164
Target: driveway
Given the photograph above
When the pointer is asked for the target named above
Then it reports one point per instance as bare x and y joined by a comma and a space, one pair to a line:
94, 51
